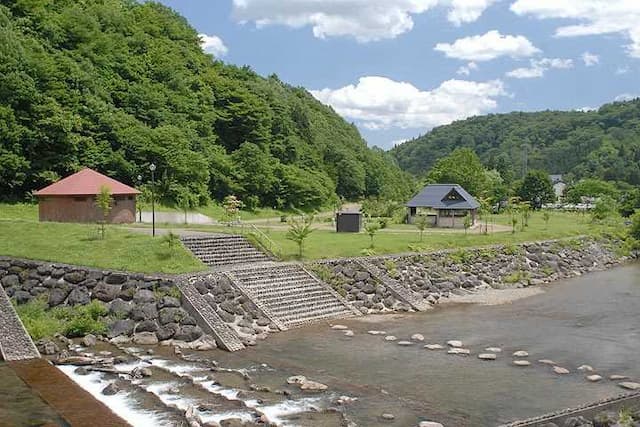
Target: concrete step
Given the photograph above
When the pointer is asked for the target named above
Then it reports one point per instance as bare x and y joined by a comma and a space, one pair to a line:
224, 250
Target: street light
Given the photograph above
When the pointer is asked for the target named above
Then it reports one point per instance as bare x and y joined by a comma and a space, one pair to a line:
152, 168
139, 206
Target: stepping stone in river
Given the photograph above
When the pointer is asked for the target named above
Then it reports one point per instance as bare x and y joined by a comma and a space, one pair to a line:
388, 417
433, 347
521, 362
348, 333
390, 338
585, 368
546, 362
454, 343
376, 332
493, 349
520, 353
594, 378
417, 337
560, 370
405, 343
618, 377
339, 327
459, 351
487, 356
630, 385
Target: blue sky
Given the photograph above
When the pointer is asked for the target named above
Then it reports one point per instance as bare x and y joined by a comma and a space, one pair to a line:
397, 68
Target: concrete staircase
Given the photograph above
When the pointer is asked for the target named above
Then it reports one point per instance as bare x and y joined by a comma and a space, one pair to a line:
208, 319
223, 249
15, 342
289, 295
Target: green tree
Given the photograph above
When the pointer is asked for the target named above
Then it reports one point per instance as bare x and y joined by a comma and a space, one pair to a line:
104, 202
172, 241
185, 201
591, 187
635, 226
299, 230
232, 206
605, 208
372, 227
461, 167
467, 223
422, 222
536, 188
546, 217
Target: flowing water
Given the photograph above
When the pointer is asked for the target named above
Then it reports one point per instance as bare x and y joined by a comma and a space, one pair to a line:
593, 319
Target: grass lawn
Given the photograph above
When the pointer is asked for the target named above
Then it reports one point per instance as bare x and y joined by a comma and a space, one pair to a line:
79, 244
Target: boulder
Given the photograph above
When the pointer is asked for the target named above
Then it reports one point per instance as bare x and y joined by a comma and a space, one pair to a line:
171, 315
75, 276
521, 362
560, 370
120, 308
22, 297
116, 278
520, 353
89, 340
147, 326
188, 333
487, 356
167, 331
167, 301
47, 347
429, 424
454, 343
79, 296
434, 347
111, 389
630, 385
144, 296
10, 280
120, 327
417, 337
145, 338
106, 292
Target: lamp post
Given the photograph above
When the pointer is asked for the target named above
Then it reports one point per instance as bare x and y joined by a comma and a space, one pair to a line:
152, 168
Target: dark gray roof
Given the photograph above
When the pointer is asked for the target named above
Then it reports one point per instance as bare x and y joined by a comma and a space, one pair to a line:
434, 196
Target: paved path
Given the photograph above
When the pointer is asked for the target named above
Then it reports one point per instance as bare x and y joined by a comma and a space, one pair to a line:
15, 343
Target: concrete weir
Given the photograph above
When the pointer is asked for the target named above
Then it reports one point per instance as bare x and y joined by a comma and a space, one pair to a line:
15, 342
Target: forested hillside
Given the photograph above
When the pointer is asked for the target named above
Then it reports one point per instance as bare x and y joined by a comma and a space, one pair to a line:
603, 144
116, 84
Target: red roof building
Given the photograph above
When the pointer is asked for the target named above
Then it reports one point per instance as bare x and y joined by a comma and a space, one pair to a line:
73, 199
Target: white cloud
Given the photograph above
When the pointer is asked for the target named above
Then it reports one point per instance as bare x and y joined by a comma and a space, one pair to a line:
539, 66
365, 20
465, 70
463, 11
488, 46
213, 45
626, 97
590, 59
586, 109
594, 17
381, 103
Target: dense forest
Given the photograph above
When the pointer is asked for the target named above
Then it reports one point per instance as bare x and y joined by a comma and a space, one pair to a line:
602, 144
116, 85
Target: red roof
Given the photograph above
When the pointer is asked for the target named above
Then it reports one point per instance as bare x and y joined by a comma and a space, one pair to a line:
83, 183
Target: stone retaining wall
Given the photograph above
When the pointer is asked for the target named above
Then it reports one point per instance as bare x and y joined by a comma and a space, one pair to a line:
145, 308
440, 274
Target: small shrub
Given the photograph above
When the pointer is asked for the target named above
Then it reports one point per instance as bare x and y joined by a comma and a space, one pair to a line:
39, 322
368, 252
512, 250
517, 276
392, 268
461, 256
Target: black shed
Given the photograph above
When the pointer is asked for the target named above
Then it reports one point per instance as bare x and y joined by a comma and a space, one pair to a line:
348, 222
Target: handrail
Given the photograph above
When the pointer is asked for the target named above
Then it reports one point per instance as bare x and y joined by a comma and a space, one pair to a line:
270, 245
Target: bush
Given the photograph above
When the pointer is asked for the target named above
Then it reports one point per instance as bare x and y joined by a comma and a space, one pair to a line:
39, 322
635, 226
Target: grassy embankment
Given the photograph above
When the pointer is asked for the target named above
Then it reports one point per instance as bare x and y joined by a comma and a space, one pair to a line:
21, 235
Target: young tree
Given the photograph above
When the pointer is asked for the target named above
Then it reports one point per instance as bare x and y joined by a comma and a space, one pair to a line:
537, 189
185, 201
545, 217
525, 211
232, 207
172, 240
422, 222
605, 208
299, 230
104, 201
485, 211
514, 205
371, 228
467, 223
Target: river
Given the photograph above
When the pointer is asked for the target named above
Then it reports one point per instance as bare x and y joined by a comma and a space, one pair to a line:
593, 320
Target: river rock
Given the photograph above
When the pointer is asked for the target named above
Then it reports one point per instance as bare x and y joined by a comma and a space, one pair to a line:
309, 385
417, 337
145, 338
57, 296
405, 343
594, 378
585, 368
618, 377
434, 347
487, 356
144, 296
521, 362
296, 379
89, 340
493, 349
167, 331
390, 338
388, 417
47, 347
429, 424
546, 362
188, 333
348, 333
630, 385
459, 351
204, 343
120, 327
376, 332
520, 353
339, 327
111, 389
454, 343
560, 370
79, 296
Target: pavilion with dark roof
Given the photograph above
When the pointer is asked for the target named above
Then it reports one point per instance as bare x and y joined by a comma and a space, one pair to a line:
73, 199
445, 205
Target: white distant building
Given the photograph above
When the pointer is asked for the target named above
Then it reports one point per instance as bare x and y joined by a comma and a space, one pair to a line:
558, 185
